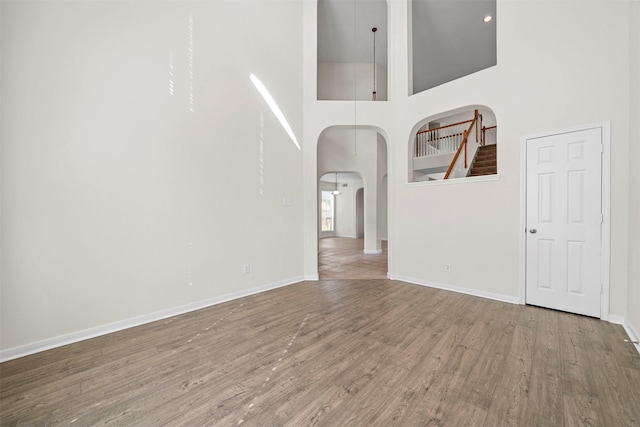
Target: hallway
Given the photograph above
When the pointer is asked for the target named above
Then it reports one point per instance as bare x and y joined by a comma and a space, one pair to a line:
343, 258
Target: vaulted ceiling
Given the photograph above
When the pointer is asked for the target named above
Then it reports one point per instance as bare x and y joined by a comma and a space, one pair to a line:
449, 38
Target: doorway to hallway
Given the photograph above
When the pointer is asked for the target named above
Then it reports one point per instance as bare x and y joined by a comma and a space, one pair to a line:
344, 258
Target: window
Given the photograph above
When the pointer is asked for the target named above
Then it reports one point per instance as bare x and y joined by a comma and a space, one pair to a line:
327, 211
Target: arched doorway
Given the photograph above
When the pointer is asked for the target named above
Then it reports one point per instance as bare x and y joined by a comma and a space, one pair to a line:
353, 164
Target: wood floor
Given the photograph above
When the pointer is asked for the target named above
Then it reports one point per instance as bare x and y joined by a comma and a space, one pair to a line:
344, 258
337, 353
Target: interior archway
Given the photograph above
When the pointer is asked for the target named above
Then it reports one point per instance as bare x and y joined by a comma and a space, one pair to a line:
352, 162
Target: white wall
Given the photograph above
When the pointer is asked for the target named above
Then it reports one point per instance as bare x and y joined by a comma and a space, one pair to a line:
633, 298
115, 195
554, 71
348, 81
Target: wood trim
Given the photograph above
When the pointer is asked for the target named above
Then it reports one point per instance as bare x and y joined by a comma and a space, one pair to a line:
462, 144
444, 127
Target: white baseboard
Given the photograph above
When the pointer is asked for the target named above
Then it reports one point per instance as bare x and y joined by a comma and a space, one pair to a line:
312, 277
49, 343
459, 289
612, 318
632, 333
372, 251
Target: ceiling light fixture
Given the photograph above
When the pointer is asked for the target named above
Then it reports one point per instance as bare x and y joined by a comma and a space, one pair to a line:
487, 18
374, 29
336, 191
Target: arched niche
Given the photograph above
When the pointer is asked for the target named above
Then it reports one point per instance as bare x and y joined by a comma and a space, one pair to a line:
438, 149
346, 67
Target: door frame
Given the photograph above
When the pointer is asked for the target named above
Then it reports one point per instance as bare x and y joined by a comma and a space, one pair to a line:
605, 230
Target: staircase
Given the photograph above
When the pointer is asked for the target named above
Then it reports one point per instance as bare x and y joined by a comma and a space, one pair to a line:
486, 162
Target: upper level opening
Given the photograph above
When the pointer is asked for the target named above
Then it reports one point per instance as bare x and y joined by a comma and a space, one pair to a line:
449, 40
456, 144
352, 50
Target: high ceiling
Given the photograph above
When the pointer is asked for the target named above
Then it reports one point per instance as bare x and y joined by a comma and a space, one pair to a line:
450, 40
344, 30
449, 37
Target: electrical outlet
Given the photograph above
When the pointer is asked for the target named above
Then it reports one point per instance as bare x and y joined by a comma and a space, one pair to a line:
447, 268
246, 268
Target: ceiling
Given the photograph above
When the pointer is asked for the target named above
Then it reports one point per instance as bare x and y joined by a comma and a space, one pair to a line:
344, 30
449, 37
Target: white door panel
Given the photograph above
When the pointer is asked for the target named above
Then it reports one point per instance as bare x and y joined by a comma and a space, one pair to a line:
564, 216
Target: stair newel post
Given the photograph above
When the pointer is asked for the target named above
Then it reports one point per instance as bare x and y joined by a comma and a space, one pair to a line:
475, 121
464, 140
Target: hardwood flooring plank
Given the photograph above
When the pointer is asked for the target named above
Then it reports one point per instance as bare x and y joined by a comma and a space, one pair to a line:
620, 404
476, 395
578, 387
337, 352
545, 404
510, 398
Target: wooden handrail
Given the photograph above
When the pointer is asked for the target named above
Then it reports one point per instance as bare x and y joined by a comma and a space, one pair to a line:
444, 127
462, 144
484, 130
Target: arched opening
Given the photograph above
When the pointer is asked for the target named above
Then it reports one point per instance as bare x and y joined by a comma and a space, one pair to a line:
455, 144
352, 50
352, 164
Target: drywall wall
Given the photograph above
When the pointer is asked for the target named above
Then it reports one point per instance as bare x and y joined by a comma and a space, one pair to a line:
547, 78
349, 81
553, 72
141, 168
633, 298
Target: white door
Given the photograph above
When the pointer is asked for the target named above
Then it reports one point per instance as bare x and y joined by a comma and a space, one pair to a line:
564, 221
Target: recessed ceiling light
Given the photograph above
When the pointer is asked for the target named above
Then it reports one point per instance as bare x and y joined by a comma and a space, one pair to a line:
487, 18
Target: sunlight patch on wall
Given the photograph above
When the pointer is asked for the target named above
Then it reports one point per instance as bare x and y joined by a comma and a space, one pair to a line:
274, 108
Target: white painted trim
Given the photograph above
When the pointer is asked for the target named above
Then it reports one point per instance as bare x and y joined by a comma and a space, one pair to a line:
618, 320
605, 128
47, 344
522, 277
606, 223
632, 333
451, 181
312, 277
458, 289
372, 251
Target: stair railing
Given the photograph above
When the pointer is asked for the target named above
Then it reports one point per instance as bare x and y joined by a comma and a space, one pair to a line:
491, 132
463, 145
440, 140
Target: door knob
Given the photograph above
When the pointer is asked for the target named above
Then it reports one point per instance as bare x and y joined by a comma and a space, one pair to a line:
533, 231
